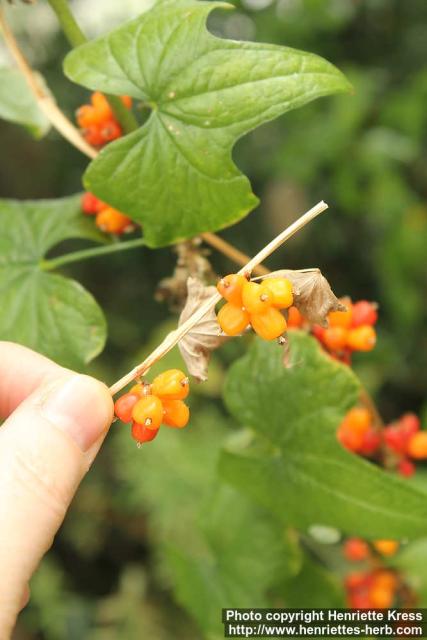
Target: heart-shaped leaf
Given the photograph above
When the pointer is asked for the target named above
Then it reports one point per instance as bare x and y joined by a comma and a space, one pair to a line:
301, 472
175, 174
49, 313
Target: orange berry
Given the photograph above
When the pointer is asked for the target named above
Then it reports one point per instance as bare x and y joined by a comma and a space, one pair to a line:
100, 103
87, 116
171, 385
110, 220
148, 411
175, 413
358, 419
141, 433
256, 297
341, 318
362, 338
295, 318
349, 439
123, 407
417, 445
270, 324
141, 389
230, 287
386, 547
281, 291
381, 597
232, 319
335, 338
385, 579
127, 101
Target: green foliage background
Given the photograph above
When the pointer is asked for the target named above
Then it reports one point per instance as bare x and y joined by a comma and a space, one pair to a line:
125, 541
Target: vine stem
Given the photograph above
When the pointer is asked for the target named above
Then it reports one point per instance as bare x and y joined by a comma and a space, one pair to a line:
66, 128
94, 252
174, 337
76, 37
45, 101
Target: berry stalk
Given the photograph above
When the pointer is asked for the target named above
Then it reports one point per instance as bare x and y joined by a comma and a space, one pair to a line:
174, 337
76, 37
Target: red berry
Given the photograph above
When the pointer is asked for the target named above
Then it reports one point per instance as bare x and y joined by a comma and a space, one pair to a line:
295, 318
406, 468
141, 433
370, 443
395, 438
364, 312
356, 550
123, 407
91, 205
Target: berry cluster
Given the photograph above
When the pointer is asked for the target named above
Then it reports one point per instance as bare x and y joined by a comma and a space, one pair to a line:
396, 446
375, 587
148, 406
107, 219
350, 330
258, 305
372, 589
97, 122
358, 433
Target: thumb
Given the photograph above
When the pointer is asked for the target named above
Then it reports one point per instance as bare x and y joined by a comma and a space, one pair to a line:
46, 447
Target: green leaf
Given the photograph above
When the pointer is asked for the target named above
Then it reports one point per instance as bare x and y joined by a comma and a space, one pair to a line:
299, 471
411, 561
17, 103
175, 174
49, 313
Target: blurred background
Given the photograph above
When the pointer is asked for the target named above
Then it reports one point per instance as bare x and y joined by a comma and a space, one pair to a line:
365, 154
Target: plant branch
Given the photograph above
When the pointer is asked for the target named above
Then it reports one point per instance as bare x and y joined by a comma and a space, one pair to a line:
76, 37
94, 252
232, 253
45, 101
174, 337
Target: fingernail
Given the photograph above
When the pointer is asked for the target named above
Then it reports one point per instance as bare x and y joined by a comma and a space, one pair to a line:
81, 407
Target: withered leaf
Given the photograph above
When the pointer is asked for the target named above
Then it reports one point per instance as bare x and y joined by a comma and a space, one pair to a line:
313, 295
205, 336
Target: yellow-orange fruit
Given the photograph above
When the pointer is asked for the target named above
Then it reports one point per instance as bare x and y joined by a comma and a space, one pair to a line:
358, 419
386, 547
256, 297
175, 413
110, 220
335, 338
362, 338
281, 291
230, 287
172, 384
269, 325
341, 318
232, 319
417, 445
149, 412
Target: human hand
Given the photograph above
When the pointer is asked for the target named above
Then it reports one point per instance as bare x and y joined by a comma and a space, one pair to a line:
55, 422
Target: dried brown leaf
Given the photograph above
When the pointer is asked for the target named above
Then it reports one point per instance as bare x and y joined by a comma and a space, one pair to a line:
313, 295
205, 336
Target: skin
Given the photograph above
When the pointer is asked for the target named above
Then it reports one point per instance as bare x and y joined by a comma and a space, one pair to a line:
54, 424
